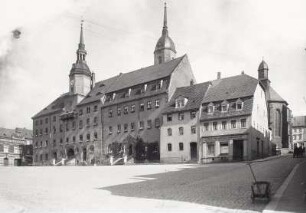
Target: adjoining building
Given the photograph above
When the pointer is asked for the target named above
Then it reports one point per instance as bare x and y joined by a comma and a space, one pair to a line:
180, 130
234, 120
279, 113
299, 131
117, 117
15, 147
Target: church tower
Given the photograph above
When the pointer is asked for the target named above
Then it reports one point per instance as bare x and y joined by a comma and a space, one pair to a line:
80, 77
165, 48
263, 72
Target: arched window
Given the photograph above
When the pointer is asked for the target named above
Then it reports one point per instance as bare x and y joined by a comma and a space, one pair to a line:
277, 123
169, 131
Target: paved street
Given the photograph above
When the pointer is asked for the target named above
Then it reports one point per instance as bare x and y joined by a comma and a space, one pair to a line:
213, 188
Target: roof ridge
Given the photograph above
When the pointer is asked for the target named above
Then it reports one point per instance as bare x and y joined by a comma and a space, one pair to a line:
162, 64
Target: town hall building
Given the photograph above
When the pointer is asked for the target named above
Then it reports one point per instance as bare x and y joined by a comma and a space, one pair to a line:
98, 122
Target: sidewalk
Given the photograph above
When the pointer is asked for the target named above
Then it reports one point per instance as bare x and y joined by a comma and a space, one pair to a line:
291, 196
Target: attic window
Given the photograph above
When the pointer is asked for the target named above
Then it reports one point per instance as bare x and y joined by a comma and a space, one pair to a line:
210, 108
224, 106
180, 102
239, 104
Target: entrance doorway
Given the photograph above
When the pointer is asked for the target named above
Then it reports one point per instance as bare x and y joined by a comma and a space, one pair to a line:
6, 161
55, 156
84, 154
237, 149
193, 151
70, 153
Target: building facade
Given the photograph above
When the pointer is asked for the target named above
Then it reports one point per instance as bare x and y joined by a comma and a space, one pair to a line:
15, 147
299, 131
95, 122
234, 121
180, 130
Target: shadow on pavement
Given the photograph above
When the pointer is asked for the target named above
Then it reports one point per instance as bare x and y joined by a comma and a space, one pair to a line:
225, 186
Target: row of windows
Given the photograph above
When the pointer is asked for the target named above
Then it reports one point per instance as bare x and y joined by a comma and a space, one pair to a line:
224, 125
297, 137
181, 116
193, 130
141, 126
297, 130
9, 149
137, 91
132, 108
88, 109
54, 118
73, 126
88, 138
223, 107
181, 147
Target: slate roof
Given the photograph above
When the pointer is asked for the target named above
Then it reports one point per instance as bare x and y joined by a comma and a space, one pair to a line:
194, 94
274, 96
56, 105
231, 88
16, 133
130, 79
99, 90
147, 74
299, 121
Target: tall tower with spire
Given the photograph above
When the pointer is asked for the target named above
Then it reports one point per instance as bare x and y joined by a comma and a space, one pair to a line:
80, 77
165, 48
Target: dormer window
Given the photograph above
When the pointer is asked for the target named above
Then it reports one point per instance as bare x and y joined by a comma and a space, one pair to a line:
145, 87
224, 106
211, 108
180, 102
239, 104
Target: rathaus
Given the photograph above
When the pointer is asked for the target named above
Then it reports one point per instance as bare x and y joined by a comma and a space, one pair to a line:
100, 122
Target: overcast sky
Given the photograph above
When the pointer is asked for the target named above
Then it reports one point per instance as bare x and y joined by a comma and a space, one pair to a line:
227, 36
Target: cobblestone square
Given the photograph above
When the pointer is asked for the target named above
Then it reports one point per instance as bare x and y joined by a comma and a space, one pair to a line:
213, 188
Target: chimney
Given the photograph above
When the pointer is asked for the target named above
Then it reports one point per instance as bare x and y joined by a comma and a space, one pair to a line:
218, 75
242, 72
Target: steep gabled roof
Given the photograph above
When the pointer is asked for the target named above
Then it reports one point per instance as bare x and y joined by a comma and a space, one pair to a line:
147, 74
231, 88
130, 79
274, 96
56, 105
99, 90
194, 94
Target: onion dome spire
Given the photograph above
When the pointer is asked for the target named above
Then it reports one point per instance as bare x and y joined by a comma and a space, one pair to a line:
165, 48
165, 27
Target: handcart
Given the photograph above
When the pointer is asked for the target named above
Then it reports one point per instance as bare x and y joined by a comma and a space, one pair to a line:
260, 189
